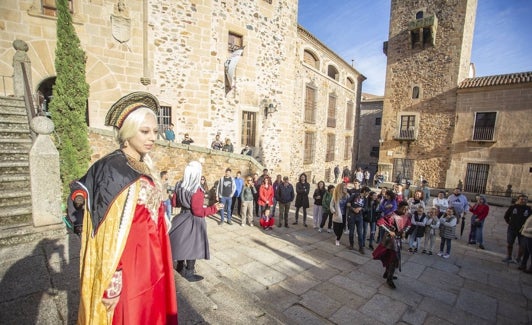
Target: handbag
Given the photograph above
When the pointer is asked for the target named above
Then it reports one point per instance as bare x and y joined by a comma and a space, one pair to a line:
475, 222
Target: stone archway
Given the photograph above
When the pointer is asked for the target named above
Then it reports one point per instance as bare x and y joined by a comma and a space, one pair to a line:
45, 95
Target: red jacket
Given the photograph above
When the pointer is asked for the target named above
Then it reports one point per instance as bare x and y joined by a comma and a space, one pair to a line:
266, 195
480, 210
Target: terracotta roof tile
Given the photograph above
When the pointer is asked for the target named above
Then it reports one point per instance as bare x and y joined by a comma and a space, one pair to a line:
497, 80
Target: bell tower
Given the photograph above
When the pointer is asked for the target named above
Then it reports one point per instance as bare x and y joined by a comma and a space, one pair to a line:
428, 55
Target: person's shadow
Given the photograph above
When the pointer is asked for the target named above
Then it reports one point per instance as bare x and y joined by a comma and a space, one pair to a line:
43, 286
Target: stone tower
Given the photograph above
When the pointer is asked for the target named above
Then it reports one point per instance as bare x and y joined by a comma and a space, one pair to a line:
428, 53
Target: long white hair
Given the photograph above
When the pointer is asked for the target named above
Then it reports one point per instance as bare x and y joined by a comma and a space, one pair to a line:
192, 176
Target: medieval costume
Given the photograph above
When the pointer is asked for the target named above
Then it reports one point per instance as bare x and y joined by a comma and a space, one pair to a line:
389, 249
125, 251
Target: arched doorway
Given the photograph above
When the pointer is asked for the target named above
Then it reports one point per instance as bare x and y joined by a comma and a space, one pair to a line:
44, 95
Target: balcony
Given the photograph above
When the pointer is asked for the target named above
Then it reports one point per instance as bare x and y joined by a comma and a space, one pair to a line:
408, 135
483, 133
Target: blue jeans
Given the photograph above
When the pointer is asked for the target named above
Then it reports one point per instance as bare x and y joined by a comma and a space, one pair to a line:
168, 208
352, 222
442, 245
226, 201
372, 228
478, 233
274, 206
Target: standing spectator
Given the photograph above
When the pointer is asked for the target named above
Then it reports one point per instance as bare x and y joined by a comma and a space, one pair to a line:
433, 224
378, 180
367, 176
256, 182
169, 133
224, 193
459, 202
187, 139
418, 221
319, 192
188, 234
440, 203
388, 203
278, 181
302, 192
398, 188
355, 218
228, 146
359, 175
336, 173
126, 274
416, 202
326, 210
447, 231
205, 188
480, 211
426, 191
346, 173
168, 190
285, 195
407, 191
248, 195
370, 218
237, 199
526, 232
217, 143
515, 217
339, 198
265, 195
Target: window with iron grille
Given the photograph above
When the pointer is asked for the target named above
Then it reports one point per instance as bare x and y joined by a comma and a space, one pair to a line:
374, 152
249, 127
484, 125
310, 104
49, 8
331, 112
476, 178
403, 169
235, 42
329, 156
164, 119
378, 120
347, 147
408, 127
349, 116
310, 147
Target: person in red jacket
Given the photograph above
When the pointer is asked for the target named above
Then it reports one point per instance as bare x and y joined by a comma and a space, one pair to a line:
480, 211
266, 220
265, 194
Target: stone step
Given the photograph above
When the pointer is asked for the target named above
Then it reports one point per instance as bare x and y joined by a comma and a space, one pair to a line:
14, 164
13, 110
15, 156
12, 101
14, 178
16, 201
18, 144
13, 119
14, 128
25, 233
15, 215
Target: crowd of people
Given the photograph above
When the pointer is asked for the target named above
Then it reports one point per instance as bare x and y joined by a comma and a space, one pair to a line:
131, 242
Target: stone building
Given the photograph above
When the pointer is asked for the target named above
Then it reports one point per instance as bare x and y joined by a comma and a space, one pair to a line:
366, 151
428, 53
492, 142
184, 52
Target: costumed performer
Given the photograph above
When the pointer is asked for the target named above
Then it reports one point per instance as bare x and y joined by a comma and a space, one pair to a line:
188, 235
126, 271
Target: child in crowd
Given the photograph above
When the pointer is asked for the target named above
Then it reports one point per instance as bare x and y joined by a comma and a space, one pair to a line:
418, 228
433, 223
447, 231
266, 220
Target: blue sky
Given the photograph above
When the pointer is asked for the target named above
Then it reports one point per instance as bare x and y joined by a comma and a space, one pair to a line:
356, 29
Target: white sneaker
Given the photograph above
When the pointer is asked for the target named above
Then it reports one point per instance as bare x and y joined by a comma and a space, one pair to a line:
440, 254
320, 230
329, 230
446, 255
346, 231
337, 243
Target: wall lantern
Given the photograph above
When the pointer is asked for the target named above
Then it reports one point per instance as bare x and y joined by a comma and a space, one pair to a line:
269, 109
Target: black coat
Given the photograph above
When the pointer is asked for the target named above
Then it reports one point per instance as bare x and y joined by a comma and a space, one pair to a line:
302, 192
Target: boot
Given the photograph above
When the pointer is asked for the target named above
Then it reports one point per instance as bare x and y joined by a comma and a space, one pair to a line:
191, 276
390, 277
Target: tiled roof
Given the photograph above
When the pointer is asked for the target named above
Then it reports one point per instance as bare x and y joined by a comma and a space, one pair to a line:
497, 80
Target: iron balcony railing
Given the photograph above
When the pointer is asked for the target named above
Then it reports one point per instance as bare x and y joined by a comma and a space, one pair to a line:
483, 133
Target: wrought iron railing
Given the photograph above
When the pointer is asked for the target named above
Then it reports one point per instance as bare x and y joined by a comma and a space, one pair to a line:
409, 134
483, 133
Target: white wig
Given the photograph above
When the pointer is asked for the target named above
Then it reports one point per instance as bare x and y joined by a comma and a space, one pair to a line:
192, 176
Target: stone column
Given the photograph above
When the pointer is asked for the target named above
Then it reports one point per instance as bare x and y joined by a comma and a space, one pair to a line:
44, 175
21, 56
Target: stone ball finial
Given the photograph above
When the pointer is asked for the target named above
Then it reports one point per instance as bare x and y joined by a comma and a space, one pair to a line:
42, 125
20, 45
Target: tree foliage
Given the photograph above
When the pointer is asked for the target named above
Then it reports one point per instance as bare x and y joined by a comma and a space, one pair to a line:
69, 103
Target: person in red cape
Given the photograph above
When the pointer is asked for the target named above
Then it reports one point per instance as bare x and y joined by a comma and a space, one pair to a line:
117, 208
394, 224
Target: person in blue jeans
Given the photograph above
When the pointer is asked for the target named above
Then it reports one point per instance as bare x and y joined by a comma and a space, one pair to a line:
355, 218
224, 193
370, 218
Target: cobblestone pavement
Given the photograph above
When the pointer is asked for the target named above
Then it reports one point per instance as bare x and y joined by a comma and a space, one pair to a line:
292, 275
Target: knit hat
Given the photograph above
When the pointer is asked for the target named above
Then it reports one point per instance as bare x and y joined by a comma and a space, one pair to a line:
120, 110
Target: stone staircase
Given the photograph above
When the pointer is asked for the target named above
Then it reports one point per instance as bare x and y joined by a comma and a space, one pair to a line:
15, 144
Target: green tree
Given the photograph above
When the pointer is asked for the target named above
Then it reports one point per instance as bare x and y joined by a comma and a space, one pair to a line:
69, 103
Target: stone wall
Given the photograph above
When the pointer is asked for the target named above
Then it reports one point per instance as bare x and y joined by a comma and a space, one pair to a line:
509, 156
436, 70
173, 157
370, 110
